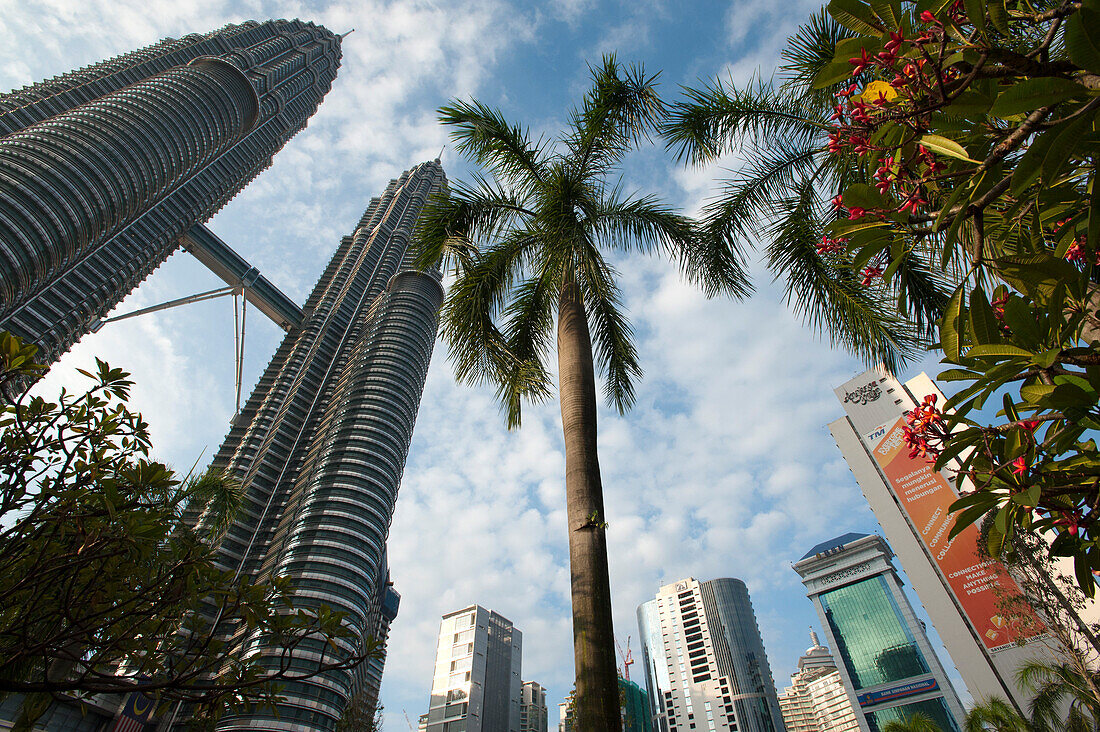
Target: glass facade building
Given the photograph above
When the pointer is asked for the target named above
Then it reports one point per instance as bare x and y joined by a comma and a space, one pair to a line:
705, 663
320, 446
886, 662
104, 169
871, 633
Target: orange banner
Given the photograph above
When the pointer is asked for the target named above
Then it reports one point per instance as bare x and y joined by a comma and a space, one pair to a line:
978, 583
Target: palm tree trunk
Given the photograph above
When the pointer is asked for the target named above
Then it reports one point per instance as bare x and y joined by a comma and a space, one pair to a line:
597, 698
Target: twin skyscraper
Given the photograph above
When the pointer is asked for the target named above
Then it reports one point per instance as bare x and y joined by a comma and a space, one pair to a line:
105, 171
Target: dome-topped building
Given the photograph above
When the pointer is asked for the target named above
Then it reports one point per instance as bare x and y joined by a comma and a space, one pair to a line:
816, 656
816, 700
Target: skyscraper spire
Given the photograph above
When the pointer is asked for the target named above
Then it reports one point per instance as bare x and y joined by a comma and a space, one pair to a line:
103, 170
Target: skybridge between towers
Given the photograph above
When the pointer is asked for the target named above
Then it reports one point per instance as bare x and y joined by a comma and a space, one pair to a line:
243, 281
240, 277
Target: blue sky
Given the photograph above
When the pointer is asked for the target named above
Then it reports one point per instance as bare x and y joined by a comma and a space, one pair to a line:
724, 467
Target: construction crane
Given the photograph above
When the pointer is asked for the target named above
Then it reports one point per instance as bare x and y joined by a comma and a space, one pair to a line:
626, 657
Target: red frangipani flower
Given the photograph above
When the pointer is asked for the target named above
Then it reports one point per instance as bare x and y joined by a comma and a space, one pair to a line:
1020, 465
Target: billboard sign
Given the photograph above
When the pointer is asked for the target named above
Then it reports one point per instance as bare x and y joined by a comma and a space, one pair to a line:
913, 688
925, 495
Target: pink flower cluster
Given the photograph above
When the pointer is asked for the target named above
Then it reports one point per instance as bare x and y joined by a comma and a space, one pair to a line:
924, 431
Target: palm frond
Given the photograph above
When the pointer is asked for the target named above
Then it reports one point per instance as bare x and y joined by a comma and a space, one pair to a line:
808, 51
612, 336
478, 348
636, 223
995, 714
455, 223
485, 136
621, 109
754, 193
718, 116
528, 330
217, 495
828, 295
922, 294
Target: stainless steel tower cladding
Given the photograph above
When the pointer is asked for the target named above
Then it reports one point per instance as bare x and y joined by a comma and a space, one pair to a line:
321, 443
103, 169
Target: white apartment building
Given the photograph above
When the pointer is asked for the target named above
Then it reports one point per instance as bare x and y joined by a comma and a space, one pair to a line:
816, 700
533, 714
477, 685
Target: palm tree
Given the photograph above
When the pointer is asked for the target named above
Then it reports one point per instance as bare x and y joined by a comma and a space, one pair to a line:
530, 239
1055, 684
1062, 700
782, 194
915, 722
995, 715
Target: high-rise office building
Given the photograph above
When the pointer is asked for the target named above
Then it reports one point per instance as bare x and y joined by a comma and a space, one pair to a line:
705, 663
104, 169
320, 445
962, 588
477, 683
887, 664
816, 700
533, 714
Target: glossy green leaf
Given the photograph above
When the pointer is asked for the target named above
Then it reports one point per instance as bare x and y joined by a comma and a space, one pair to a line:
949, 326
997, 349
969, 104
998, 15
856, 16
945, 146
1068, 137
840, 68
1047, 358
888, 11
1082, 38
863, 196
932, 6
984, 327
1036, 274
1093, 236
1030, 94
975, 11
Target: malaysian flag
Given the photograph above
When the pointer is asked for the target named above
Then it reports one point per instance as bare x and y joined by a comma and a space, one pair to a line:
135, 714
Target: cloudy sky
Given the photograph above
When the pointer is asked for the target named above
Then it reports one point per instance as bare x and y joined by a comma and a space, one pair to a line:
724, 467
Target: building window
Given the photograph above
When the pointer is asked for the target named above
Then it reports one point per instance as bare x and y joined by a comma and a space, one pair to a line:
873, 640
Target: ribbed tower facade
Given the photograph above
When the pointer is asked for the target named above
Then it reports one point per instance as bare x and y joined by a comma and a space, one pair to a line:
103, 169
320, 445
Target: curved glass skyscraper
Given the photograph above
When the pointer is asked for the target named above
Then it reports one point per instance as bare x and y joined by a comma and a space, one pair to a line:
705, 664
103, 169
320, 445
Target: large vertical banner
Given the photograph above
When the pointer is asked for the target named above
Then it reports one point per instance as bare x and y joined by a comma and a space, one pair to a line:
979, 584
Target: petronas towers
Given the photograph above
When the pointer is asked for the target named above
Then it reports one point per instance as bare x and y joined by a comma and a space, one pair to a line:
105, 170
